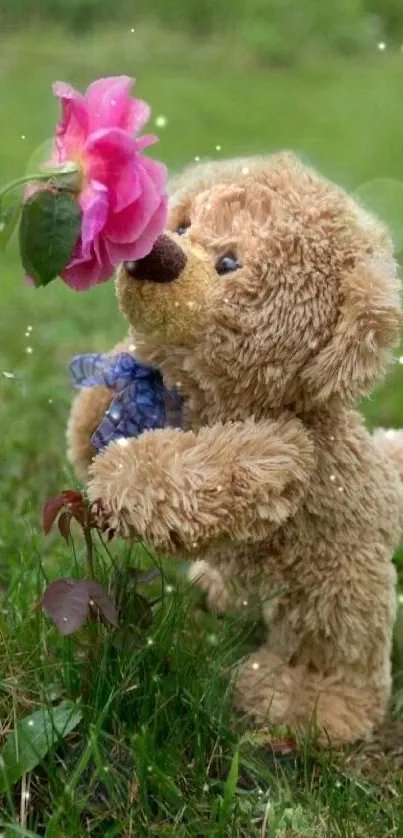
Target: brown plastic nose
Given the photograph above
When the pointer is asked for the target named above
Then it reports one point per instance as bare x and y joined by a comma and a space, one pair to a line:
164, 263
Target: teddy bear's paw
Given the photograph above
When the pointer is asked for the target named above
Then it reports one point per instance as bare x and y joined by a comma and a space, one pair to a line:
210, 581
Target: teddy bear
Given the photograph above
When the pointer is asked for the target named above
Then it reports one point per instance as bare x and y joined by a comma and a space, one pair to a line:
272, 305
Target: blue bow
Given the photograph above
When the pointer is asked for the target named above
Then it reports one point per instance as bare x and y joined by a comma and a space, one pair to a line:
142, 402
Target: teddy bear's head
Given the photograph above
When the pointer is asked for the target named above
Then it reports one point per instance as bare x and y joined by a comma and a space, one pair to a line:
271, 289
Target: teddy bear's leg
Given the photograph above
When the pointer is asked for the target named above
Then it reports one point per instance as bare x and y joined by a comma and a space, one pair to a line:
213, 584
338, 707
86, 414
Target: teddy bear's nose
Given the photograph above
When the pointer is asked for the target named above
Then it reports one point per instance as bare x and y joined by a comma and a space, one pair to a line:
164, 263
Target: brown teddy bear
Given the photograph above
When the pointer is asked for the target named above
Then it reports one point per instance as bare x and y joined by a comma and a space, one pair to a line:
272, 303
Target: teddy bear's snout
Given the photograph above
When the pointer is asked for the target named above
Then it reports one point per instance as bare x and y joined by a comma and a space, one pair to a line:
164, 263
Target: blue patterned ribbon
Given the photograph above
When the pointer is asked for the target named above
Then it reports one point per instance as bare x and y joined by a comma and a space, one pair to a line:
141, 403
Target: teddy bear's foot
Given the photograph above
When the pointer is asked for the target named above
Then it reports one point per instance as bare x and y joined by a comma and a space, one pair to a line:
332, 708
210, 581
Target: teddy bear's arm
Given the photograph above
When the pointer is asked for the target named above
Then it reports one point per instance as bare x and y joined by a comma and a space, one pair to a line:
180, 490
86, 413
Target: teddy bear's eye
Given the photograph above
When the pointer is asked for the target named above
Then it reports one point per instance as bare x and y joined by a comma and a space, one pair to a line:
227, 264
181, 230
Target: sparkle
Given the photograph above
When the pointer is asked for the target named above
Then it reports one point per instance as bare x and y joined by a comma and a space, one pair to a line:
331, 439
340, 489
29, 350
169, 589
161, 121
50, 401
245, 170
122, 441
106, 768
194, 543
333, 477
218, 148
65, 619
245, 603
212, 639
400, 599
176, 304
8, 374
191, 304
219, 488
390, 433
150, 641
226, 300
31, 723
178, 384
381, 46
132, 347
208, 206
27, 334
149, 769
29, 328
23, 137
132, 30
255, 665
197, 159
26, 795
401, 359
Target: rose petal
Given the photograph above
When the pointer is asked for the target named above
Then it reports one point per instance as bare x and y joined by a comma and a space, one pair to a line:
145, 141
126, 226
157, 172
72, 129
145, 242
109, 103
106, 152
141, 246
82, 274
138, 116
94, 204
127, 188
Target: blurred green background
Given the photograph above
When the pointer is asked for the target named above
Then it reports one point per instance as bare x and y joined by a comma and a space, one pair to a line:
230, 77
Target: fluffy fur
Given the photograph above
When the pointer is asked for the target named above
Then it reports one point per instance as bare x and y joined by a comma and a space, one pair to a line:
275, 483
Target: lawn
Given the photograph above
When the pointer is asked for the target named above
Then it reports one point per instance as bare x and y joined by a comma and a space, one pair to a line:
155, 749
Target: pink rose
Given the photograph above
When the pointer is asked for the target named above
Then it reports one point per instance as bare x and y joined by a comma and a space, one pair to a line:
122, 196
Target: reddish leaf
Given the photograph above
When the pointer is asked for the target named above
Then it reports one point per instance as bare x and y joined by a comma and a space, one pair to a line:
51, 510
70, 497
105, 604
66, 603
77, 506
64, 526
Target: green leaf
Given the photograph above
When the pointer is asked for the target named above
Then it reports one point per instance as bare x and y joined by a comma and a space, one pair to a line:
10, 211
229, 794
15, 829
33, 737
50, 226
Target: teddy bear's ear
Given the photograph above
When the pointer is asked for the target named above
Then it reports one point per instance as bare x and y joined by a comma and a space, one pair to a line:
367, 329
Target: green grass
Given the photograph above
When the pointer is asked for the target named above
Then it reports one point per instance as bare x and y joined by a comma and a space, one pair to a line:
157, 715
